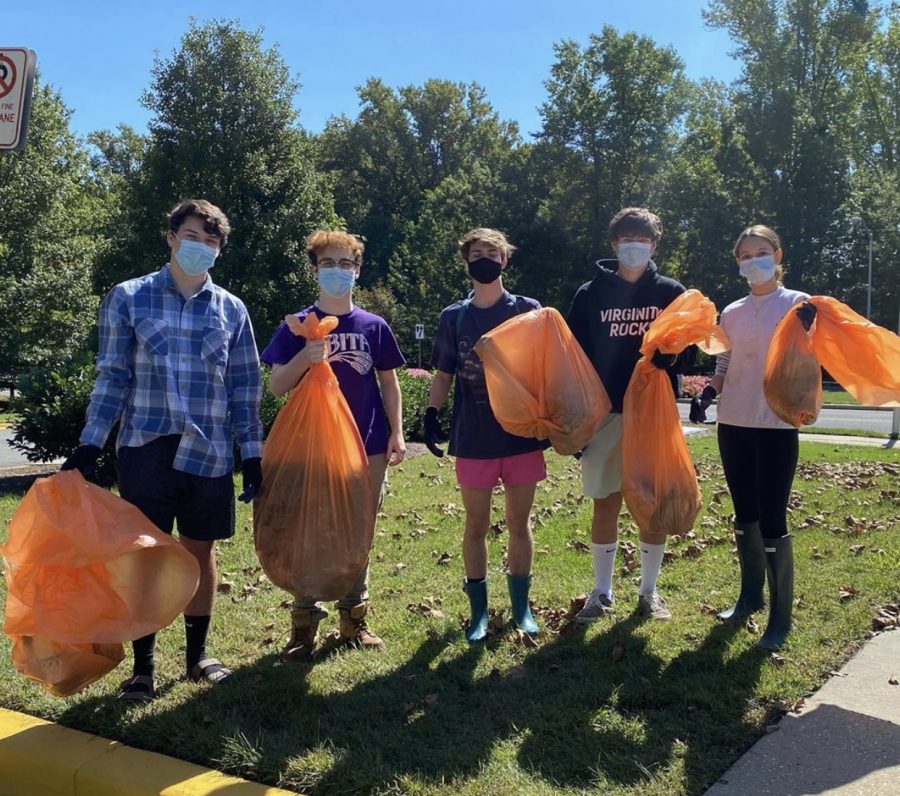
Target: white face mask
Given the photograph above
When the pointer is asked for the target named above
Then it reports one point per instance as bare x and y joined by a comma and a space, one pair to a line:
758, 270
634, 255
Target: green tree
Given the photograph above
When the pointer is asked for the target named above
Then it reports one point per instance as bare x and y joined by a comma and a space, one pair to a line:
609, 123
401, 147
49, 232
793, 102
224, 128
711, 190
875, 175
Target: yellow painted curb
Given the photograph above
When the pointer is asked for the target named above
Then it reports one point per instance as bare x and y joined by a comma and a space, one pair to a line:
39, 758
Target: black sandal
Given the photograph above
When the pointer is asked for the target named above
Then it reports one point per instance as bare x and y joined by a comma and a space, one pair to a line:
137, 690
209, 670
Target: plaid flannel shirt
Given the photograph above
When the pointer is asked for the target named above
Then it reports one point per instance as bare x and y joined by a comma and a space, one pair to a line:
170, 365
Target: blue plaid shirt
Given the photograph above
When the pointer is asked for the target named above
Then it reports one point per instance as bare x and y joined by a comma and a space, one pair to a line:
170, 365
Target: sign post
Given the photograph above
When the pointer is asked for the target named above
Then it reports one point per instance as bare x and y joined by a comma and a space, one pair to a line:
420, 336
16, 85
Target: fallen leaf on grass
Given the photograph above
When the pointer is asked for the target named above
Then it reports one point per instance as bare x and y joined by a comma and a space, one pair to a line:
524, 640
399, 567
777, 659
224, 587
857, 549
444, 558
431, 699
893, 681
618, 653
847, 593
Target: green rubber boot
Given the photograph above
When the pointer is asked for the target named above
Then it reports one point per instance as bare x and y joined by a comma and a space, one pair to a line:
780, 568
519, 586
752, 558
478, 624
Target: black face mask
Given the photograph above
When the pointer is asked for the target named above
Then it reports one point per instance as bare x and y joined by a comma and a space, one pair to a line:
485, 270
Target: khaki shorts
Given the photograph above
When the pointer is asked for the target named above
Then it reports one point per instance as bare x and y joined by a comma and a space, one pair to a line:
601, 461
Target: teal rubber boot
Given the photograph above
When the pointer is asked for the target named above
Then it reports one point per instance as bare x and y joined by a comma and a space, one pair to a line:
519, 586
780, 567
752, 557
478, 624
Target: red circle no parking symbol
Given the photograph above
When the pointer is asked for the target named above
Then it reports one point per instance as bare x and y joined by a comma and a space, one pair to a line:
7, 75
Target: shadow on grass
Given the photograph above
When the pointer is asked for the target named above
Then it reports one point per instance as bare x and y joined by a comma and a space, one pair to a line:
576, 717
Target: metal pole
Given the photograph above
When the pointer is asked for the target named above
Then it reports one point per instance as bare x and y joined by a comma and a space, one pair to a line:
869, 292
895, 427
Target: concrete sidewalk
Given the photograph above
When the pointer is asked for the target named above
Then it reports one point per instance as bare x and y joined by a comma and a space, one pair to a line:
845, 739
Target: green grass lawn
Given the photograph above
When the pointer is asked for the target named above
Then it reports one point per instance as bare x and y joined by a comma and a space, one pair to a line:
623, 708
838, 397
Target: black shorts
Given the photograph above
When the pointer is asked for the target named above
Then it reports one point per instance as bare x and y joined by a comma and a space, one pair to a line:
203, 507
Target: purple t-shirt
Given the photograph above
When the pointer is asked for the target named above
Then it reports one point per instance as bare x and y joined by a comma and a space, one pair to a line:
474, 431
359, 345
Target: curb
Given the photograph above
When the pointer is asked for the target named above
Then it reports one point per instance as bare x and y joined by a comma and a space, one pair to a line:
39, 758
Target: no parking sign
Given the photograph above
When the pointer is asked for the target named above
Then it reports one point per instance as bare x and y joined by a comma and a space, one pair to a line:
16, 84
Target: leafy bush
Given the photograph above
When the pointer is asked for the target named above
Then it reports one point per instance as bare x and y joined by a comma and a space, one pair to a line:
51, 405
415, 385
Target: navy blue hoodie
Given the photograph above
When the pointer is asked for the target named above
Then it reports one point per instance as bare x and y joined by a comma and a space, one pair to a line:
609, 316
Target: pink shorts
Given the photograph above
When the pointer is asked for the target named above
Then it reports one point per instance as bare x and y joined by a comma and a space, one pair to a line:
524, 468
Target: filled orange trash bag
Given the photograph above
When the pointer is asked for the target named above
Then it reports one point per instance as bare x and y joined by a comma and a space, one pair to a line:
540, 382
85, 568
313, 521
64, 669
659, 483
792, 377
862, 357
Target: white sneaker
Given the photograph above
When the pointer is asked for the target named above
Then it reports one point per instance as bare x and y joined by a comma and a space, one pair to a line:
652, 606
598, 605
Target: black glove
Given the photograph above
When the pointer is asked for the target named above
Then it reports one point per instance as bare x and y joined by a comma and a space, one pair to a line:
431, 428
806, 312
84, 459
252, 472
663, 361
700, 403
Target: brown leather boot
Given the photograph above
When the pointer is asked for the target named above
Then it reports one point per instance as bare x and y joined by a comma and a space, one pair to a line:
354, 630
304, 634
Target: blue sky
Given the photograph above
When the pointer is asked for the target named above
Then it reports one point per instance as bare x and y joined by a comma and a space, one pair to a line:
99, 53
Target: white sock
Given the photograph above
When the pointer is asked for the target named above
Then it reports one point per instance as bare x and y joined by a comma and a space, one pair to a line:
604, 563
651, 563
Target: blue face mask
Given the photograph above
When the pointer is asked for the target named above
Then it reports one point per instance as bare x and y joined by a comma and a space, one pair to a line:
336, 282
634, 255
195, 258
757, 270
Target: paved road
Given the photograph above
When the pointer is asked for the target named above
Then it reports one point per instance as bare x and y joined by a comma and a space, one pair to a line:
10, 457
855, 419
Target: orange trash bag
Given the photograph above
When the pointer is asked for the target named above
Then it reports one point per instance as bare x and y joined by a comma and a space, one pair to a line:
86, 571
314, 519
659, 483
540, 382
792, 377
862, 357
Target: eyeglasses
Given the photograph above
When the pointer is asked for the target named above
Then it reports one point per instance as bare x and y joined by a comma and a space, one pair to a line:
347, 265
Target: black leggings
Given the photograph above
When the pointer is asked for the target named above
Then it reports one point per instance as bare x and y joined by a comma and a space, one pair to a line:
759, 466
